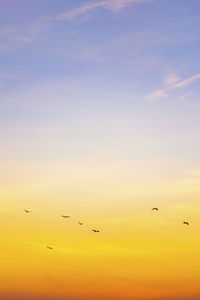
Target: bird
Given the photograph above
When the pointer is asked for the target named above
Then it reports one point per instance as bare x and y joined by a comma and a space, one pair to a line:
94, 230
80, 223
155, 208
27, 211
65, 217
186, 223
50, 248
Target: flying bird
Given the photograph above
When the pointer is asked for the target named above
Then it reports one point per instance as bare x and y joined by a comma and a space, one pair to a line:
80, 223
50, 248
65, 217
186, 223
94, 230
155, 208
27, 211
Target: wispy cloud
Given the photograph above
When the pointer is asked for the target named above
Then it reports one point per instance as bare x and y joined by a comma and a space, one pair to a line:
171, 79
12, 38
186, 96
15, 38
157, 95
113, 5
172, 82
186, 81
66, 34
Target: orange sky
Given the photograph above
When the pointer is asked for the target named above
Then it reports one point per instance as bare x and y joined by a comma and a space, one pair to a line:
138, 254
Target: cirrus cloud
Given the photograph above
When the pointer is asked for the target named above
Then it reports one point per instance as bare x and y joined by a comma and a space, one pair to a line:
173, 83
113, 5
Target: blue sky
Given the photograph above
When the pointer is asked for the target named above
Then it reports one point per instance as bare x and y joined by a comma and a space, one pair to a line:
132, 49
127, 70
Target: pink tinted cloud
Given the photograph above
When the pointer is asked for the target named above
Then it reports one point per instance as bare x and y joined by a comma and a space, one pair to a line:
163, 93
113, 5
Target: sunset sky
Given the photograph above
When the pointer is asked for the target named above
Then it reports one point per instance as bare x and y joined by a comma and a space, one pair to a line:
99, 120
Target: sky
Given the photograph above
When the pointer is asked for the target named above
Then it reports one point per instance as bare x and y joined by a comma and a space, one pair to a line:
99, 120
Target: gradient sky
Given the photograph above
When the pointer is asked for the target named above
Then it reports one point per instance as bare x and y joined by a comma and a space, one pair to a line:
100, 120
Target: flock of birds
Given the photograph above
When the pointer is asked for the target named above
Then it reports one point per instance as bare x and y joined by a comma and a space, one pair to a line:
65, 217
95, 230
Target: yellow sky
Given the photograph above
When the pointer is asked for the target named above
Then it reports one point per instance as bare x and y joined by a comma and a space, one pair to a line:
138, 254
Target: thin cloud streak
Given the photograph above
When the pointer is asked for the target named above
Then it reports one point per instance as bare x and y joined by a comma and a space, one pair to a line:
186, 81
171, 79
186, 96
162, 93
13, 38
113, 5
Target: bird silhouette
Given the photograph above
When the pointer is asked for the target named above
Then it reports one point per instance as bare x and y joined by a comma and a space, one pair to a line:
50, 248
155, 209
65, 217
186, 223
27, 211
94, 230
80, 223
